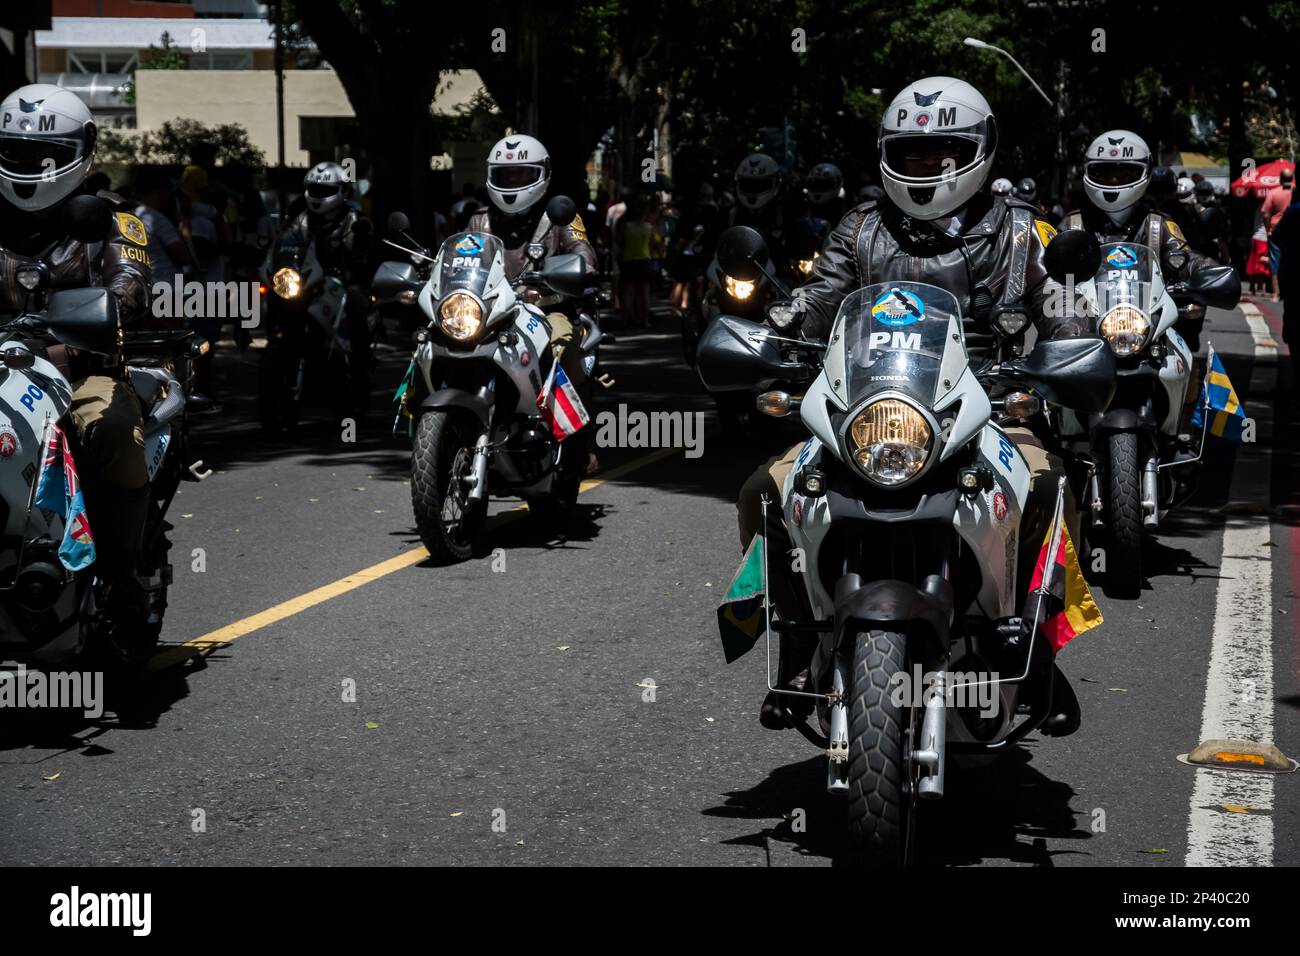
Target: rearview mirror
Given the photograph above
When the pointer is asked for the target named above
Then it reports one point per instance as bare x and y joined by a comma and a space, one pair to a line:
87, 218
1072, 256
1074, 373
84, 319
561, 210
740, 251
398, 223
738, 355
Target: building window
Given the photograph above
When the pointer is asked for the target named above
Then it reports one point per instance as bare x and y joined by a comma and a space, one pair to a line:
222, 61
101, 61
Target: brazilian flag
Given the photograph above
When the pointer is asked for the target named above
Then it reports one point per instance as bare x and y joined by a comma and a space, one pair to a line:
741, 618
1227, 414
402, 423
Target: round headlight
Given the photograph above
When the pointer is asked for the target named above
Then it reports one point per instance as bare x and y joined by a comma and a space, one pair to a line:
1126, 329
287, 283
738, 289
890, 441
460, 316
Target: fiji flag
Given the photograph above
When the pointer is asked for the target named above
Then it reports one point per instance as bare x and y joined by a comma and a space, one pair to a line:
560, 405
58, 489
1228, 415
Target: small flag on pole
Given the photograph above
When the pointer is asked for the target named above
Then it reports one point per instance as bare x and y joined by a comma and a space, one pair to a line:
1227, 415
58, 489
741, 620
560, 405
1058, 594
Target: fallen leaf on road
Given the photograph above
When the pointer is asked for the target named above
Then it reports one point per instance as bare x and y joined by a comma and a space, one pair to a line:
459, 813
371, 725
379, 511
1153, 851
563, 647
54, 776
1236, 808
358, 489
709, 719
519, 843
1090, 680
187, 516
313, 499
1119, 690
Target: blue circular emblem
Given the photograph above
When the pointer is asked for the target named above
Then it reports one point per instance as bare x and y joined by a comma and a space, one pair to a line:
1122, 257
897, 308
469, 245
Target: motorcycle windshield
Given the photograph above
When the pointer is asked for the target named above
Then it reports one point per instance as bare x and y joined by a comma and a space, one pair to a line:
895, 337
1124, 277
465, 260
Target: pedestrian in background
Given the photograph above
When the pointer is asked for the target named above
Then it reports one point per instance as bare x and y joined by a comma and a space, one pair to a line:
1275, 204
637, 235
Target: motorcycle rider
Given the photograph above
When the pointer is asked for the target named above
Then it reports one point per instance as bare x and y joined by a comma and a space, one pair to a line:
824, 187
332, 219
1117, 171
761, 201
935, 224
518, 176
1209, 232
47, 144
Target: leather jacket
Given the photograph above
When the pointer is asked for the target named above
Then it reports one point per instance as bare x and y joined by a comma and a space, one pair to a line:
993, 256
342, 248
120, 263
517, 232
1147, 226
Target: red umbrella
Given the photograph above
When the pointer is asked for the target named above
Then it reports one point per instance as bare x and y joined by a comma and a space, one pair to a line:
1262, 178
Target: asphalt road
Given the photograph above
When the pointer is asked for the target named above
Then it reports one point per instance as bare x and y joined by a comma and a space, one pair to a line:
503, 711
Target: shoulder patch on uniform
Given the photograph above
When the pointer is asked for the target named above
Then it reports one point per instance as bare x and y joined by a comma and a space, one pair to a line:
1174, 231
1046, 232
132, 228
578, 226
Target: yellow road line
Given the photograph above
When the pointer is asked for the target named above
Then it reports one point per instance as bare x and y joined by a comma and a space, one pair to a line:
179, 653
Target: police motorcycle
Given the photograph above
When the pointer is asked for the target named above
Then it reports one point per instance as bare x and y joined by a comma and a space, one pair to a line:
755, 290
1139, 465
904, 506
470, 398
51, 615
308, 351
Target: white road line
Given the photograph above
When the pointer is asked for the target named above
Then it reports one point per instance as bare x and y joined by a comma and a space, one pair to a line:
1239, 680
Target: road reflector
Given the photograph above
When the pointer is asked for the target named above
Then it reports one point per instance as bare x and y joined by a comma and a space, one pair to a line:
1239, 755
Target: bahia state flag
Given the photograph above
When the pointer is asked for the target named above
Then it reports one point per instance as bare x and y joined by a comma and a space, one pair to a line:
560, 405
741, 618
1058, 593
1227, 415
58, 489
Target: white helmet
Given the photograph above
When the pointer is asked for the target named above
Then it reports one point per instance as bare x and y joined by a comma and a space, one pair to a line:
758, 181
327, 190
518, 172
1116, 170
1001, 187
47, 142
1186, 189
825, 184
937, 140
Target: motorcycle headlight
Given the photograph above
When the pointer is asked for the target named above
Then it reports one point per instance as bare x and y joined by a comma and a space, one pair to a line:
1012, 321
287, 283
890, 441
460, 316
739, 289
1126, 329
29, 277
806, 265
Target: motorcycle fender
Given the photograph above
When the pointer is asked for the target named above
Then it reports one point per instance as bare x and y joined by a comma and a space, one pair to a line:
895, 606
1120, 420
455, 398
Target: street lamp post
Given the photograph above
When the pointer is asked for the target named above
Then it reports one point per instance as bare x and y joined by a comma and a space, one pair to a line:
981, 45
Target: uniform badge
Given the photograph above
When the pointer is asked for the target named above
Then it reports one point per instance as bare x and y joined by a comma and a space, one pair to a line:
1045, 231
578, 228
8, 443
1174, 230
131, 227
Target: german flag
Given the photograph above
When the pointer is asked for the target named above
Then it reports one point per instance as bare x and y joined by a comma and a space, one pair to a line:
1058, 595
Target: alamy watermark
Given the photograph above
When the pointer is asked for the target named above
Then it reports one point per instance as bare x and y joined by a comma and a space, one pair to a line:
965, 689
627, 428
53, 690
180, 299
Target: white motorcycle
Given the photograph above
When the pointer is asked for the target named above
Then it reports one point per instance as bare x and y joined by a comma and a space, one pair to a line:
49, 614
1140, 466
470, 397
904, 508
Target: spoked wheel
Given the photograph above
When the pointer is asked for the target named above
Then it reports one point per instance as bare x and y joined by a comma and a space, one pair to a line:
1124, 557
883, 777
441, 468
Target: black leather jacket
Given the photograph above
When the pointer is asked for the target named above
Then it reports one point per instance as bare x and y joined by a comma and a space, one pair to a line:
342, 247
120, 263
994, 258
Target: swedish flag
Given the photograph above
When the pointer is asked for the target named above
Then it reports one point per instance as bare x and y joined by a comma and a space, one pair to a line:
1227, 414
